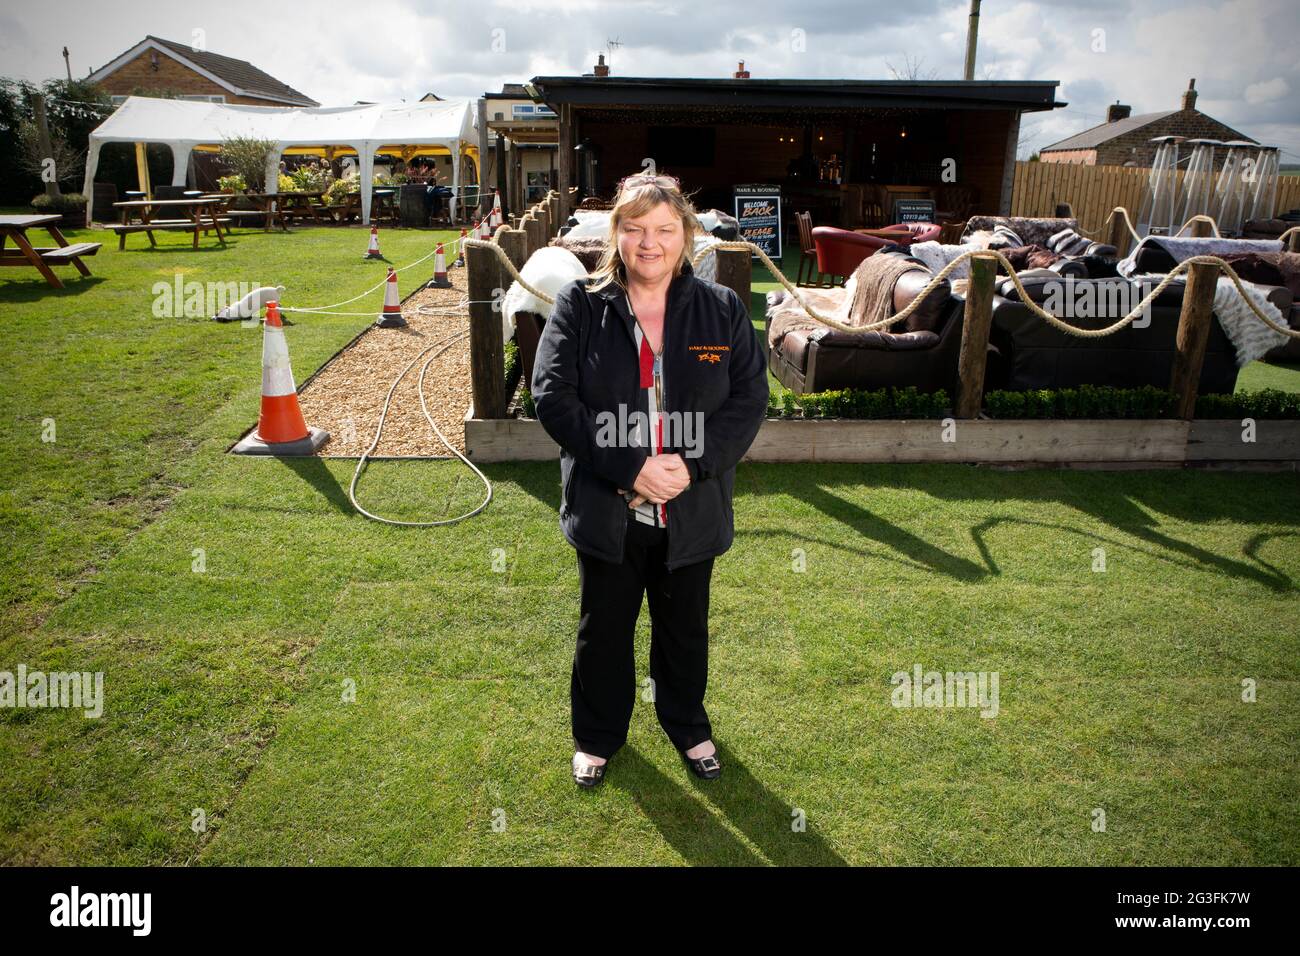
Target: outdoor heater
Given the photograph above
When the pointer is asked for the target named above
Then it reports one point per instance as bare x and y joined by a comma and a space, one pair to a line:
1159, 202
1198, 183
1232, 197
1263, 200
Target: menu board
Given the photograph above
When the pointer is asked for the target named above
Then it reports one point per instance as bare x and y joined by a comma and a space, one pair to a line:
758, 210
913, 210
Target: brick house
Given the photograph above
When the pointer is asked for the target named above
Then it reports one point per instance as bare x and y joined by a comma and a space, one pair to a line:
1125, 140
156, 66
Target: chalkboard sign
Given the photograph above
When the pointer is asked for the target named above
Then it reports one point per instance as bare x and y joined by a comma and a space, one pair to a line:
758, 210
913, 210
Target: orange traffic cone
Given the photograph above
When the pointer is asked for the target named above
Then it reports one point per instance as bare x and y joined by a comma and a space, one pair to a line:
497, 217
373, 252
281, 429
460, 250
391, 317
440, 280
484, 230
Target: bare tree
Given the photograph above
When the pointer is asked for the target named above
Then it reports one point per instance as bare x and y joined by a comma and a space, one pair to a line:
912, 69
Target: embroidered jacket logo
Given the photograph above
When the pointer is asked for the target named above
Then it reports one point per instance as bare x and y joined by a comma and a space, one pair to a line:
709, 353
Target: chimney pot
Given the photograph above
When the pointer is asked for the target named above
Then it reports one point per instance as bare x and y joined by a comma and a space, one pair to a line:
741, 73
602, 69
1189, 96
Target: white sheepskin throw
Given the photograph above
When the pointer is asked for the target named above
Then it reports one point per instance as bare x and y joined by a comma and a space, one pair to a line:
936, 256
592, 223
548, 270
1251, 337
708, 267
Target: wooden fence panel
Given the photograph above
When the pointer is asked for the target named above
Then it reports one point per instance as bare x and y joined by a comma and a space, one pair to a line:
1093, 191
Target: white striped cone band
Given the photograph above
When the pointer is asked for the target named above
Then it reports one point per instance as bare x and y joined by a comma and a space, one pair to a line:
392, 300
277, 376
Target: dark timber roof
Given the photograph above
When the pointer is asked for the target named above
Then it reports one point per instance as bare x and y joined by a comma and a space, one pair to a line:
587, 91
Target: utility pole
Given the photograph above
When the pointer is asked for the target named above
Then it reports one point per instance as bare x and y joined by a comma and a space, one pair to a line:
67, 64
47, 148
972, 34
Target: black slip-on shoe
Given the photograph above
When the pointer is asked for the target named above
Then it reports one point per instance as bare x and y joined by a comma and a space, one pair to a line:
588, 774
706, 768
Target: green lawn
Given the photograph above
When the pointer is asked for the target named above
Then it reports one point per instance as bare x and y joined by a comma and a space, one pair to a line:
225, 690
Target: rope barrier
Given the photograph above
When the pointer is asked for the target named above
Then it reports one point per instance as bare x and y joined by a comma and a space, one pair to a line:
510, 266
324, 309
1199, 218
934, 282
1128, 223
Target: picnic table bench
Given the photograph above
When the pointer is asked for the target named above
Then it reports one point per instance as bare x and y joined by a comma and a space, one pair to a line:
205, 214
41, 258
275, 208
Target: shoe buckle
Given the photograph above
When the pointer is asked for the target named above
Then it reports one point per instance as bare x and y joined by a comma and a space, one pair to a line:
710, 759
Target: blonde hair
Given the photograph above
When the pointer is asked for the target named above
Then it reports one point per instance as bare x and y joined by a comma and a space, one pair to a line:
637, 195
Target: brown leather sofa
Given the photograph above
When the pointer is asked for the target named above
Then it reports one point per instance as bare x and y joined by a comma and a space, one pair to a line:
1038, 355
922, 352
1025, 352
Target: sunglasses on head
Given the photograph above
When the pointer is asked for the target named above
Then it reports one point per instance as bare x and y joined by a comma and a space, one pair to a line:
639, 179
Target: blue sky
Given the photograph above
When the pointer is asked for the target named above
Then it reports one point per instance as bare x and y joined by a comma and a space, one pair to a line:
1241, 52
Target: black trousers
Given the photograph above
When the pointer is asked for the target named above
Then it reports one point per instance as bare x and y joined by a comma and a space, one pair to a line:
604, 684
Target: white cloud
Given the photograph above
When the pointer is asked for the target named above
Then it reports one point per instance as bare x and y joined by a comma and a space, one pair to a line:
1267, 91
339, 51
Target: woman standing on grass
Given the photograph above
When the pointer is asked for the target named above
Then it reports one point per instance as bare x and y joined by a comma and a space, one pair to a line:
654, 385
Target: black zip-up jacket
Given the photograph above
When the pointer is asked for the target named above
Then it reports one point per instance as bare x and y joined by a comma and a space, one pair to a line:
587, 363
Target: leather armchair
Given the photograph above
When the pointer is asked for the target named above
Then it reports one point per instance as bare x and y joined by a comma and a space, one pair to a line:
840, 251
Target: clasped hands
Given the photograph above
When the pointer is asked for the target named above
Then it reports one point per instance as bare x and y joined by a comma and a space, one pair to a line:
662, 478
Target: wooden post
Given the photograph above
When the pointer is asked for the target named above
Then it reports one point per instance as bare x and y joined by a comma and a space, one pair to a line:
486, 356
735, 270
544, 217
1293, 242
1200, 229
1193, 335
533, 226
564, 151
975, 337
1119, 235
512, 244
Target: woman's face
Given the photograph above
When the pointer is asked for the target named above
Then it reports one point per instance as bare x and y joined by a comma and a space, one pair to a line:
651, 244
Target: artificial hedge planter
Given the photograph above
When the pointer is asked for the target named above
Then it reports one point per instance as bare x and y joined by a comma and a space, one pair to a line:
1086, 401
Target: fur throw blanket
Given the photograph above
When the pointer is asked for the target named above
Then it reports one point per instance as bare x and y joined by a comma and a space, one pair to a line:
1030, 232
1180, 248
1250, 337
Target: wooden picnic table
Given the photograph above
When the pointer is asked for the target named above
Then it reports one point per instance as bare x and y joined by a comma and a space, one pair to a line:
40, 259
274, 206
202, 214
383, 206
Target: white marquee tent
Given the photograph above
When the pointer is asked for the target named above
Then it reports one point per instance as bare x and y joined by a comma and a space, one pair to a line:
185, 125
